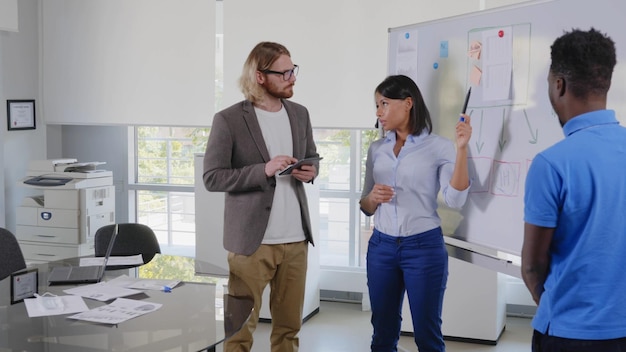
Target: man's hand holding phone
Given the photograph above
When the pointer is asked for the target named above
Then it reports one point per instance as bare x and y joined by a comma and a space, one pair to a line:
278, 163
298, 165
303, 170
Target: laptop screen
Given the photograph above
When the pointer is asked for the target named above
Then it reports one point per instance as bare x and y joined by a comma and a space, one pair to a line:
83, 274
109, 249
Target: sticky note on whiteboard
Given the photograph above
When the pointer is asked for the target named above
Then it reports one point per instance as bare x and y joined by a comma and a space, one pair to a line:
474, 50
443, 48
475, 75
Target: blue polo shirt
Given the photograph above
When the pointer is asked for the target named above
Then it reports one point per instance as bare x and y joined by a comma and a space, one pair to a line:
578, 187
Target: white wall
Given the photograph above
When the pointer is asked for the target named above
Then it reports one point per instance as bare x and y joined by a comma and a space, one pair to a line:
131, 62
19, 79
108, 144
8, 15
341, 47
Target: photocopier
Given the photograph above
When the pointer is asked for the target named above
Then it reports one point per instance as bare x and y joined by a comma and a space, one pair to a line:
74, 201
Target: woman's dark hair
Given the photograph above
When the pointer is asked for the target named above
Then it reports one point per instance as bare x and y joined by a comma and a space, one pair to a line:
402, 87
585, 59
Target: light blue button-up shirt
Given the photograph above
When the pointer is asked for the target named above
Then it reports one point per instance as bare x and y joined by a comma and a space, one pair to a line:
424, 164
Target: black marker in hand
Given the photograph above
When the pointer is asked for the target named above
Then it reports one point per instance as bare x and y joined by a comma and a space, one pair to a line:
467, 96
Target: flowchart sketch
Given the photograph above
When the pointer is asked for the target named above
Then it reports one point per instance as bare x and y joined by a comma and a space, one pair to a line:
528, 162
479, 172
503, 56
505, 178
497, 63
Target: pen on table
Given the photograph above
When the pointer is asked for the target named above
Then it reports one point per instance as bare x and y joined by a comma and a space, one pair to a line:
467, 96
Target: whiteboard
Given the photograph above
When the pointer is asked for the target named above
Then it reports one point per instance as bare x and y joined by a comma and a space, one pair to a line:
510, 125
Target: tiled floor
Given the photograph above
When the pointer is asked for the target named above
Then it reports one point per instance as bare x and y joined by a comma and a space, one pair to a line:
343, 327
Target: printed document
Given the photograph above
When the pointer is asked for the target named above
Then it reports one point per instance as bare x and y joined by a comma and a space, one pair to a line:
57, 305
101, 291
143, 284
120, 310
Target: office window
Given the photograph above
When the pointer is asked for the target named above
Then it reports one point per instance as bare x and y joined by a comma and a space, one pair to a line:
164, 170
344, 230
165, 154
165, 195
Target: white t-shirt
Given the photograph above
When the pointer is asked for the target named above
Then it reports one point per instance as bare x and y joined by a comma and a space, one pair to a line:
285, 223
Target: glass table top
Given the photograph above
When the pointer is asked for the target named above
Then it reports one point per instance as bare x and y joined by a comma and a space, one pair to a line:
196, 315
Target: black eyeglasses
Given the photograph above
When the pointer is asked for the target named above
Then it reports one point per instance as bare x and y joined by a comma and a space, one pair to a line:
286, 74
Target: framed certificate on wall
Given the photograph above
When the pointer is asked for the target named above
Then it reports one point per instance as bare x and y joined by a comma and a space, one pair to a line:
21, 115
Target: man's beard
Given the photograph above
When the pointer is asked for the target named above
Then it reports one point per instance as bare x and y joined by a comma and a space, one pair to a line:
274, 91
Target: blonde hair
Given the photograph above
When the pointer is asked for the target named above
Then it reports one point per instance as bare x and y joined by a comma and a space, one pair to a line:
260, 58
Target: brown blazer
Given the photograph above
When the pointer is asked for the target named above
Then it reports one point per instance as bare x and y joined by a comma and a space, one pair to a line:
234, 162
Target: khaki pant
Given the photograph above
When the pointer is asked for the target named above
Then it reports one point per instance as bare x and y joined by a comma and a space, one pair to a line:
284, 267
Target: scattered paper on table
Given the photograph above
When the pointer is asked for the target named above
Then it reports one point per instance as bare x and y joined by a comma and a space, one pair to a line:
70, 304
120, 310
143, 284
101, 291
150, 284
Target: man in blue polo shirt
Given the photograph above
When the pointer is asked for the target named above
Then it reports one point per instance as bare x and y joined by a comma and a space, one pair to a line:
574, 251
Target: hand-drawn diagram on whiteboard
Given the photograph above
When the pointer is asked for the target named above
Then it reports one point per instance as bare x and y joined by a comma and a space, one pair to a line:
498, 65
496, 62
499, 70
503, 54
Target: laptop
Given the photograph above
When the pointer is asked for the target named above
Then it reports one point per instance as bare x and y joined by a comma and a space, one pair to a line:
63, 275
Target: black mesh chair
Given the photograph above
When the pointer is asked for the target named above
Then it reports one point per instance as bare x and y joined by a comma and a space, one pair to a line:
132, 239
11, 257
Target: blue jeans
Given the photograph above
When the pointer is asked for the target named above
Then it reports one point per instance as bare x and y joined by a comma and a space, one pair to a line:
546, 343
417, 264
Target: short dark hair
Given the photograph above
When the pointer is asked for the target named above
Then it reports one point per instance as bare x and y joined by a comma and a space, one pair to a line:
402, 87
585, 59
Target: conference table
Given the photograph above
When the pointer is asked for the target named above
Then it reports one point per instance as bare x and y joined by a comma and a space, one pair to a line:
196, 315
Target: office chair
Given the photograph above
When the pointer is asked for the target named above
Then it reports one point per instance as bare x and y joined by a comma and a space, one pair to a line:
11, 257
132, 239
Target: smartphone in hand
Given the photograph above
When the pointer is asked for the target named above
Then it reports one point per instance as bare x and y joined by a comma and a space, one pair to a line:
299, 163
